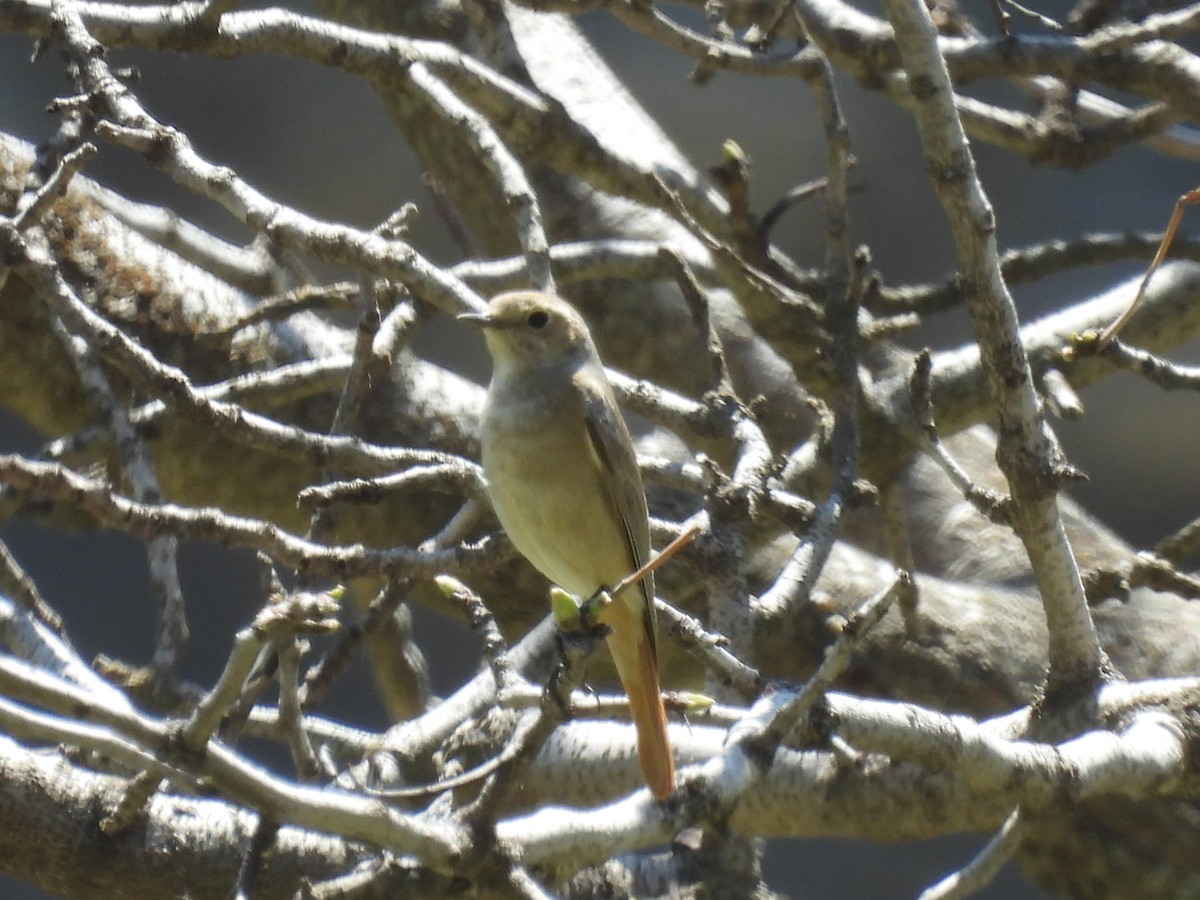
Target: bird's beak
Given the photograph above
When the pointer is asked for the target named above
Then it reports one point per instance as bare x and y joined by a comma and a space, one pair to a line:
480, 320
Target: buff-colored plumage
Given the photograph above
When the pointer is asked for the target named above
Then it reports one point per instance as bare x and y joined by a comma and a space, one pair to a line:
565, 485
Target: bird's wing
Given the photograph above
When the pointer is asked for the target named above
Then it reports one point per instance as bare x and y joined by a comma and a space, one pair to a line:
609, 439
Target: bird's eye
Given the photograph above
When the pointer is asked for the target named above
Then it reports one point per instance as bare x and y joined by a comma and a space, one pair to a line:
538, 319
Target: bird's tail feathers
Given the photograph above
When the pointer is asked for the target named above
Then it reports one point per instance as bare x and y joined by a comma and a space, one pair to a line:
633, 653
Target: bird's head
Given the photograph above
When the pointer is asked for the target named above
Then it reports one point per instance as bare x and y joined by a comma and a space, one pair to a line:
527, 328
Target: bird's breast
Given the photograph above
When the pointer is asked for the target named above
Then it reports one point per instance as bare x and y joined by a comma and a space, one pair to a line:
547, 488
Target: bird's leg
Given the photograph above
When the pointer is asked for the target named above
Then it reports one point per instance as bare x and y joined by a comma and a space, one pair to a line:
575, 644
592, 608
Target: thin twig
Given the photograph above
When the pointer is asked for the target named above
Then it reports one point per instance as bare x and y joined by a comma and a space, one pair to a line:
69, 325
898, 539
479, 135
22, 590
321, 676
451, 478
710, 648
337, 296
837, 657
989, 503
145, 520
495, 648
982, 870
261, 842
323, 521
1181, 545
1158, 371
36, 204
1159, 575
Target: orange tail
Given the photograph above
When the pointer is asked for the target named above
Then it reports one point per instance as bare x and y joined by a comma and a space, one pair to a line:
633, 653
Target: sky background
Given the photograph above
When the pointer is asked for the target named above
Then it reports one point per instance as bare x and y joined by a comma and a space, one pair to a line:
289, 128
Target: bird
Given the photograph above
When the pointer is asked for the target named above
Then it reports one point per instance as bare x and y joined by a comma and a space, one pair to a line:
563, 480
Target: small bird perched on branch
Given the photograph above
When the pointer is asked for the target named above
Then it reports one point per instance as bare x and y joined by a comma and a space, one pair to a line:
565, 485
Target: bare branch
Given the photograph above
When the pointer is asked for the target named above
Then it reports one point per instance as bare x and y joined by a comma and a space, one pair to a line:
1025, 453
